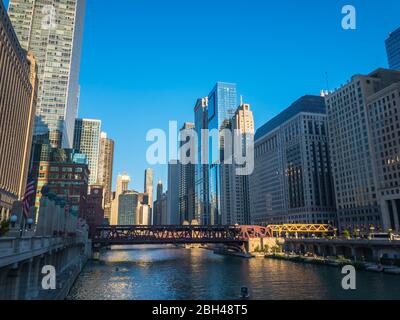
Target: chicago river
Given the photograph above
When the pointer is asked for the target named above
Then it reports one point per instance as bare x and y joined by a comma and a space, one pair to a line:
168, 273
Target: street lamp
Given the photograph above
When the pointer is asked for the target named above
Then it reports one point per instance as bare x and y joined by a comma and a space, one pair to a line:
13, 220
29, 222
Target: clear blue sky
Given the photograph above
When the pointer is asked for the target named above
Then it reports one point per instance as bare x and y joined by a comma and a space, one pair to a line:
146, 61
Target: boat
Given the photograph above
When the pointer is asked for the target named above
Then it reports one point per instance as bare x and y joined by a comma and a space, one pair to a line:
391, 270
374, 268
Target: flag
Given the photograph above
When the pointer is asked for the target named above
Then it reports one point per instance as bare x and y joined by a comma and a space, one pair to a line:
29, 192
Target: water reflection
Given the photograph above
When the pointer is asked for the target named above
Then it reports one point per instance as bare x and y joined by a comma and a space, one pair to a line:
149, 273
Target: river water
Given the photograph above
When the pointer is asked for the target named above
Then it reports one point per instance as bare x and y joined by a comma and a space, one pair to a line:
169, 273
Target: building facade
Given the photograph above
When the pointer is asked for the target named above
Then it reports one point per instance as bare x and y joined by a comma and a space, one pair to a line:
173, 216
148, 187
393, 49
53, 32
187, 174
352, 149
202, 203
87, 141
292, 179
105, 171
238, 205
122, 186
128, 208
94, 213
65, 172
158, 214
384, 121
18, 90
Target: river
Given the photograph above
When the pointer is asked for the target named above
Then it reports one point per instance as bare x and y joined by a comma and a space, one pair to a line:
169, 273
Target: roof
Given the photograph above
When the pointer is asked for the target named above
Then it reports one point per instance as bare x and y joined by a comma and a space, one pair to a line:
308, 103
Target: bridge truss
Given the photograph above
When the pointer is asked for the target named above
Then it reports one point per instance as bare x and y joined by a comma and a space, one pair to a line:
282, 229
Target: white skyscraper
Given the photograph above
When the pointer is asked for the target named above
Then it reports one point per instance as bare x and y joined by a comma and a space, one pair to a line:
53, 30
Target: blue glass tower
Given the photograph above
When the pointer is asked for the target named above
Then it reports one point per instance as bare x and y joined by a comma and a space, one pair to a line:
393, 49
222, 103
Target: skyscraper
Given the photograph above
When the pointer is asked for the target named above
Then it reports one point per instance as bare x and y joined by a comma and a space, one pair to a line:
158, 206
202, 203
352, 143
148, 185
238, 205
187, 175
87, 141
393, 49
128, 208
105, 171
292, 179
18, 89
53, 32
173, 216
122, 185
222, 103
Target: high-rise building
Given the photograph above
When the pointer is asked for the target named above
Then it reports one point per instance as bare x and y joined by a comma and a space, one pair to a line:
128, 208
202, 203
122, 186
105, 171
214, 113
87, 141
173, 217
292, 179
158, 206
187, 174
53, 32
352, 144
384, 120
18, 89
238, 205
65, 172
393, 49
148, 187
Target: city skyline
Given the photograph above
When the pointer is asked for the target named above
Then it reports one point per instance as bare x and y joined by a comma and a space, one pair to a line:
149, 84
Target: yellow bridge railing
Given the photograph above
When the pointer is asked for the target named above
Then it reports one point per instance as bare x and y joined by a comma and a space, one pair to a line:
300, 228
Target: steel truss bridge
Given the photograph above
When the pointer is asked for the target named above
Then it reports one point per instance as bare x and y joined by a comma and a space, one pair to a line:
140, 235
228, 235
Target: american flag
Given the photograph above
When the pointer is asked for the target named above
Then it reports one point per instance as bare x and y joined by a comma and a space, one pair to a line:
29, 192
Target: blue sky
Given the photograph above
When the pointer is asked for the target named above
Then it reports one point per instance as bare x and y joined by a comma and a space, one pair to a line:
145, 62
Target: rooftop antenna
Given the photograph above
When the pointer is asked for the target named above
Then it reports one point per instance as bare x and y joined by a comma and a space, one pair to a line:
327, 81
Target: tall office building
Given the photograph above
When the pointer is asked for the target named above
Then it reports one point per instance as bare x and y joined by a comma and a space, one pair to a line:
148, 185
158, 206
393, 49
128, 208
105, 171
187, 174
352, 143
222, 103
238, 205
53, 31
18, 89
292, 179
122, 186
87, 141
384, 120
202, 204
173, 216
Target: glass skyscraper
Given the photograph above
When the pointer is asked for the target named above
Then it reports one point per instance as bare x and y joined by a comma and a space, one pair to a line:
222, 103
393, 49
53, 31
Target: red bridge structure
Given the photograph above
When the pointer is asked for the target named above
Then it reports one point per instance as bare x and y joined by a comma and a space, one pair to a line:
141, 235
